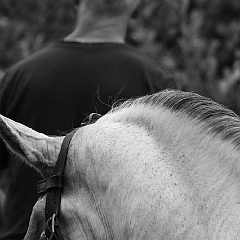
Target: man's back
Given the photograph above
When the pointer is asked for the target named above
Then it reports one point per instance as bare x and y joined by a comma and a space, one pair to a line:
54, 90
96, 75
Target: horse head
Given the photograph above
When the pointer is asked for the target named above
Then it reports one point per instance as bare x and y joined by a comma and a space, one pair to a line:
163, 166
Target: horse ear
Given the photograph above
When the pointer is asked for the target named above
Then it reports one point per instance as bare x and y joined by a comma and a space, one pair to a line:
35, 148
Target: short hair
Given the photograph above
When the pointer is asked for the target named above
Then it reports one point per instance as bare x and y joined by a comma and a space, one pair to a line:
112, 7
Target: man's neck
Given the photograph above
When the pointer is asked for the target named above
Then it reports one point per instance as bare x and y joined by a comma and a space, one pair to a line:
101, 30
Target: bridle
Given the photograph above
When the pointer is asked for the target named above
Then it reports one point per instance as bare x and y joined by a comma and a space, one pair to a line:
54, 185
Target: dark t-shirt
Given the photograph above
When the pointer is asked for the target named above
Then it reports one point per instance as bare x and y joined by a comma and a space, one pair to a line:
53, 90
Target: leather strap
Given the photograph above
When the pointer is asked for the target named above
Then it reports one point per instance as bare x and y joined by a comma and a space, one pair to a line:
55, 181
53, 200
54, 185
92, 118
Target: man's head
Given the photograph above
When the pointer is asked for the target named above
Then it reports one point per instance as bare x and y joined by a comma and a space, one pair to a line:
110, 8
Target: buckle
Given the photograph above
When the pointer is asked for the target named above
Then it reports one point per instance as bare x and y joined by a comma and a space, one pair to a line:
52, 230
43, 236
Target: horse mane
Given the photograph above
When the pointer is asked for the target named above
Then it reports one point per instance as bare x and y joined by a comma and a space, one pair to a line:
216, 118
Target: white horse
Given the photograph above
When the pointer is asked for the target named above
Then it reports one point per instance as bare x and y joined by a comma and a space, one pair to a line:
164, 166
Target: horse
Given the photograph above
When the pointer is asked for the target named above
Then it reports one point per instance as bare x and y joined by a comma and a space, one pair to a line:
163, 166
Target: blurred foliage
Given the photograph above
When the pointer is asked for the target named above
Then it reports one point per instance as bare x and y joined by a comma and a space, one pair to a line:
197, 40
26, 26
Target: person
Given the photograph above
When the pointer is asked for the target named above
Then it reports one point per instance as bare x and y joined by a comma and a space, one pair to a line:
53, 90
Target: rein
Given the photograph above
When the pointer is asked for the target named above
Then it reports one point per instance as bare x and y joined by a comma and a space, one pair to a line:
54, 185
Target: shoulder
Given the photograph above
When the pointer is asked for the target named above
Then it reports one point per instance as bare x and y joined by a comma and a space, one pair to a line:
160, 78
141, 61
25, 65
135, 54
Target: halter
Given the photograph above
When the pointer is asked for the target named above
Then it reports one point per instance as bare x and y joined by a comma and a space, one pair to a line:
54, 186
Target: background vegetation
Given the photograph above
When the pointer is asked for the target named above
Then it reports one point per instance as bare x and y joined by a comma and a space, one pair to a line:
196, 40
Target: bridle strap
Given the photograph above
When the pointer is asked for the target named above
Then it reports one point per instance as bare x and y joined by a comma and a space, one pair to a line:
53, 199
54, 185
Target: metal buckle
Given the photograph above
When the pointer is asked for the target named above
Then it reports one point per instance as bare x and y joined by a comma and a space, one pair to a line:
53, 222
50, 231
43, 236
50, 226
